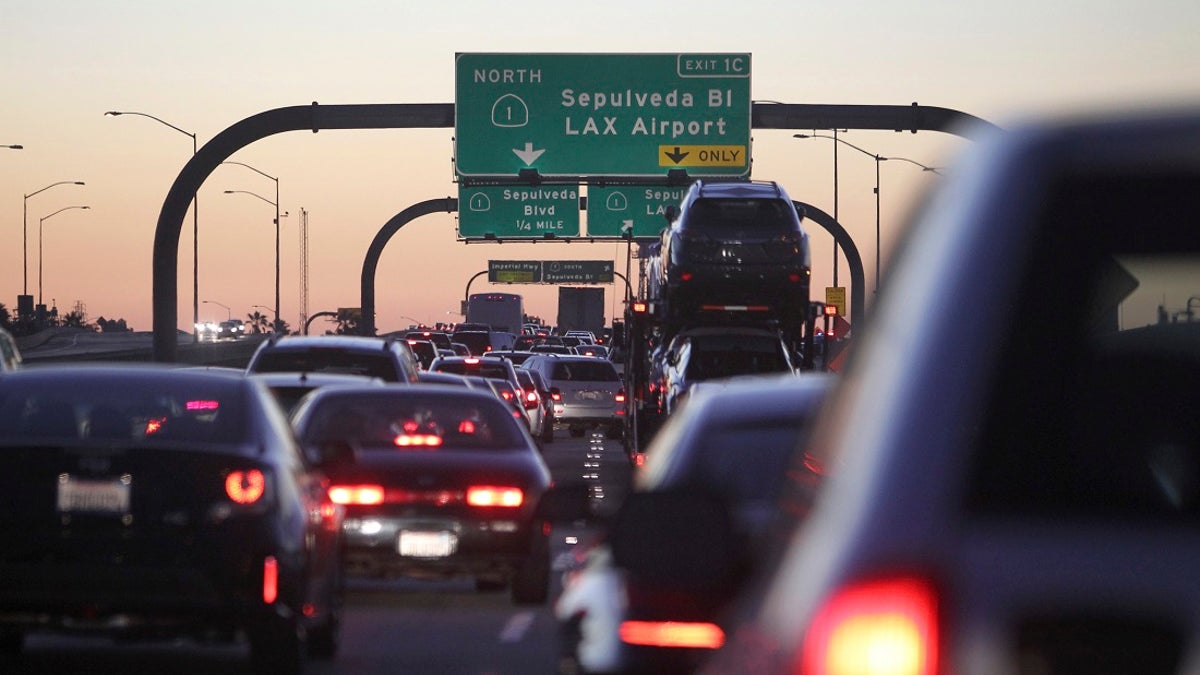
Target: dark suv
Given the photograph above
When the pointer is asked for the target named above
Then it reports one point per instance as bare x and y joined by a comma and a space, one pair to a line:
731, 245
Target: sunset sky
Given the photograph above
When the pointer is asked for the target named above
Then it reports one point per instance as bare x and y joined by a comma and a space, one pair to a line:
203, 67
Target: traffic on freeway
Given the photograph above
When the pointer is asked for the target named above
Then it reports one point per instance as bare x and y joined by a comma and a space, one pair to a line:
997, 471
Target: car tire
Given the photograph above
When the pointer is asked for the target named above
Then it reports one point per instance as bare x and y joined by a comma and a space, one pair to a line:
325, 638
277, 647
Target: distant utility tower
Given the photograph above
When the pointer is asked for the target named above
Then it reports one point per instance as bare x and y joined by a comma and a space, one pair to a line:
303, 268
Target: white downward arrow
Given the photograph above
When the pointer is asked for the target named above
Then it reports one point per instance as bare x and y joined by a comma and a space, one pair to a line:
528, 155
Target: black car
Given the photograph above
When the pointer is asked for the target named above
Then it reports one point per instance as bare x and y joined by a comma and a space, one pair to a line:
701, 354
437, 482
732, 246
150, 502
389, 359
637, 601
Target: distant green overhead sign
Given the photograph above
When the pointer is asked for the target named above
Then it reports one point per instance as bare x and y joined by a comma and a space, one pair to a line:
611, 209
551, 271
518, 211
637, 115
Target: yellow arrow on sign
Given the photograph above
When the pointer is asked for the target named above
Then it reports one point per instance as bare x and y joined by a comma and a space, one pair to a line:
701, 155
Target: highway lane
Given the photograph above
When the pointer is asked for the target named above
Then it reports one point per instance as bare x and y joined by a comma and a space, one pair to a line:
390, 626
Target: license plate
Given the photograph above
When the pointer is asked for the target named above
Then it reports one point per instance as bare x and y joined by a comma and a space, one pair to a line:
427, 544
589, 395
93, 496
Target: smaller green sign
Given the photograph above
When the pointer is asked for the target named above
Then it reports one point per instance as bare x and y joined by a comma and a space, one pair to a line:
515, 271
577, 271
611, 210
518, 211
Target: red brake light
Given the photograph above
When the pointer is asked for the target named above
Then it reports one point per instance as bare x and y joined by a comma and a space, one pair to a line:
270, 587
877, 627
672, 634
473, 360
362, 495
202, 405
490, 495
245, 487
417, 441
620, 397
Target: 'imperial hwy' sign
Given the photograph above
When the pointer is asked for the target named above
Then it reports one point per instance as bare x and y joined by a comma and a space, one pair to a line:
635, 115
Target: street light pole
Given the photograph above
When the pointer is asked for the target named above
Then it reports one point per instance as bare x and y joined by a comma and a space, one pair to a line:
13, 146
25, 231
40, 222
195, 219
878, 158
278, 325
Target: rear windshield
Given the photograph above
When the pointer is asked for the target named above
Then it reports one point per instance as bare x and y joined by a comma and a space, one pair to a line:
1094, 411
414, 422
328, 360
736, 355
584, 371
122, 411
477, 342
483, 368
742, 215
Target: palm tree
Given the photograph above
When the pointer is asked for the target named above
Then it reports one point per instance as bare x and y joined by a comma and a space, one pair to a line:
258, 321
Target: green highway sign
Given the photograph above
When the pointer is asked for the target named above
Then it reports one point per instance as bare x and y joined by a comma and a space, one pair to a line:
636, 115
515, 271
518, 211
610, 210
550, 271
577, 271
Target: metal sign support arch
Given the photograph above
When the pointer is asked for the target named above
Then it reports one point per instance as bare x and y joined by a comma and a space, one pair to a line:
315, 117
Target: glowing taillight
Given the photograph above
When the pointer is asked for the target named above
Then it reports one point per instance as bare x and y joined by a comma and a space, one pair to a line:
489, 495
270, 580
672, 634
620, 397
556, 397
531, 399
361, 495
245, 487
878, 627
417, 441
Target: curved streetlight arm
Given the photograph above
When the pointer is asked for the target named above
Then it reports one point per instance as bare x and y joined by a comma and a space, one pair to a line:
115, 113
228, 311
61, 182
252, 194
932, 169
65, 208
843, 142
229, 161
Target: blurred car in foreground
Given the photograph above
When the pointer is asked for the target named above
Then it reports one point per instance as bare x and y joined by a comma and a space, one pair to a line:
631, 606
10, 355
1017, 491
389, 359
437, 482
154, 502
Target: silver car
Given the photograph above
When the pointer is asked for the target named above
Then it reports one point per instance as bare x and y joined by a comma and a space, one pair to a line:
590, 392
